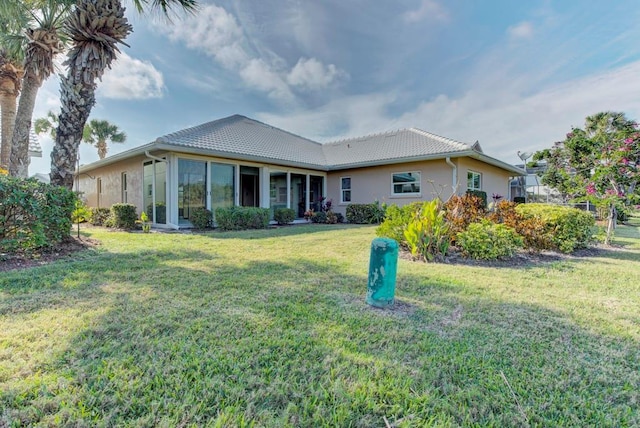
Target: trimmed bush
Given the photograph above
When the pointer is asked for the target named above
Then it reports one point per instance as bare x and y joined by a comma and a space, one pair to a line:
480, 194
240, 218
569, 228
319, 217
99, 216
365, 213
396, 220
123, 216
284, 215
339, 218
33, 215
488, 241
200, 218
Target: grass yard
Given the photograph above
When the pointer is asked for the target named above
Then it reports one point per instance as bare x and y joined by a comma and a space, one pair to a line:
270, 329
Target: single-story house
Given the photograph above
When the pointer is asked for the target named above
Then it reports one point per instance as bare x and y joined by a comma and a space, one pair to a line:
244, 162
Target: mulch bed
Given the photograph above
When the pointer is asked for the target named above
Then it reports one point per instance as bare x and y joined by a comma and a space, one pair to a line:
62, 250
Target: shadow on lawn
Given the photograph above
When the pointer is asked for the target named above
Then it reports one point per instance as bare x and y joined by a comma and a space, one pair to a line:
279, 344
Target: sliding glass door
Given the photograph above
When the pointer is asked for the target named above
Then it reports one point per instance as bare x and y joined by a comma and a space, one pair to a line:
155, 191
222, 186
192, 187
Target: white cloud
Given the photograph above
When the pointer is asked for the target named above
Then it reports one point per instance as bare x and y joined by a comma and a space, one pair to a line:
428, 9
523, 30
258, 74
312, 74
503, 121
131, 79
211, 30
216, 33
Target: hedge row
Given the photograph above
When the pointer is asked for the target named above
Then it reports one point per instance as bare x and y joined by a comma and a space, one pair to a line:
240, 218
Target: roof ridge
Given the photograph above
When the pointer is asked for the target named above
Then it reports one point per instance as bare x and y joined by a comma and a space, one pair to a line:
364, 137
440, 137
232, 118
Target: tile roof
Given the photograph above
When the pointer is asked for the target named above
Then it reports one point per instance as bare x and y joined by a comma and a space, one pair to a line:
239, 135
242, 138
35, 150
403, 144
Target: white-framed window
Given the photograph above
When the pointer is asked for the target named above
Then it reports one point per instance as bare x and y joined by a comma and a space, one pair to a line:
124, 187
474, 180
345, 190
405, 183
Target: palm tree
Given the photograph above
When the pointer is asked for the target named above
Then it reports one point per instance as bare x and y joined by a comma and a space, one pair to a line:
45, 18
11, 58
10, 79
95, 27
97, 132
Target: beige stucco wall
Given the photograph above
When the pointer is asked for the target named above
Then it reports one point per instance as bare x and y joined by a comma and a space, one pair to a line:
111, 177
494, 180
374, 183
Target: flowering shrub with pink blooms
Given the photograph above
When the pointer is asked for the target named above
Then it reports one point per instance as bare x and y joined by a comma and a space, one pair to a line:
600, 163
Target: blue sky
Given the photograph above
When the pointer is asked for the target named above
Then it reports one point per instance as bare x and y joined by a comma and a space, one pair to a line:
513, 75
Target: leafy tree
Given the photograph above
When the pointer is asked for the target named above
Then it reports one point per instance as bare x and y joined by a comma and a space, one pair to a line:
600, 163
96, 28
98, 132
42, 39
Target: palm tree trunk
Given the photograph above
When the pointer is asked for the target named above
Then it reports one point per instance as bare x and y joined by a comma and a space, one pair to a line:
19, 160
101, 145
78, 97
8, 104
95, 27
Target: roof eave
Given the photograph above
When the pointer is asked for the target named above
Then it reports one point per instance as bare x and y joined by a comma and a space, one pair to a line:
161, 145
397, 160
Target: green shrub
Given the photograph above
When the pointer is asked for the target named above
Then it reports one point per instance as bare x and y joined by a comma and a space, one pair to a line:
480, 194
240, 218
365, 213
319, 217
200, 218
396, 220
568, 228
33, 215
339, 218
427, 234
284, 215
488, 241
81, 213
99, 216
123, 216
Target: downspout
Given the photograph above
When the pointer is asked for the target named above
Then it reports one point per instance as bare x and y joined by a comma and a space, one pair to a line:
150, 156
454, 175
156, 158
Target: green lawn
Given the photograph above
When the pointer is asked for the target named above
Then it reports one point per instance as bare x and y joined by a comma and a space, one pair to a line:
270, 328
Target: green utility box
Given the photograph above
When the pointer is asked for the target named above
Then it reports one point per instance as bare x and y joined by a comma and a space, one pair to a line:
383, 266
